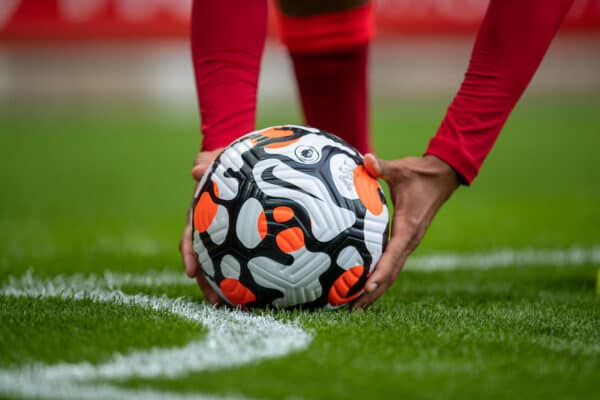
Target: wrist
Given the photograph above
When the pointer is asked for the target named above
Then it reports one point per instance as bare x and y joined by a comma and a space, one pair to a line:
446, 173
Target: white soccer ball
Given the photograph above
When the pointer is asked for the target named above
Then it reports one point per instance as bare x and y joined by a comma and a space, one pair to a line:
288, 217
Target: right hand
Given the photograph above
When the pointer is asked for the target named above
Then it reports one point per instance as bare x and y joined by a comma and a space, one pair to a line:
419, 186
186, 246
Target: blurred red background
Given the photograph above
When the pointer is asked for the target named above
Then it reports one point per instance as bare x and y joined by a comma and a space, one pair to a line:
25, 20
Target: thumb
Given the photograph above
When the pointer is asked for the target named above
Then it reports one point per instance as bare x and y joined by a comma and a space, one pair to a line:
372, 165
377, 167
202, 162
198, 171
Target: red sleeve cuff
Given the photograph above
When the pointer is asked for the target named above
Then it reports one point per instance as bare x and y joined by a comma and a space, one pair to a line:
450, 153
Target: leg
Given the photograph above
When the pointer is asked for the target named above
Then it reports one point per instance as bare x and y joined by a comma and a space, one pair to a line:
328, 43
227, 44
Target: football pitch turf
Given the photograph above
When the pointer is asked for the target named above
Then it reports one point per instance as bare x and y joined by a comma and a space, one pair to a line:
499, 301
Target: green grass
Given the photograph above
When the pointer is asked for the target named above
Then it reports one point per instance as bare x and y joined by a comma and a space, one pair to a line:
87, 190
52, 330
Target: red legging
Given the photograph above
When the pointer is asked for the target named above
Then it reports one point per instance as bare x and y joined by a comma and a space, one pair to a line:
227, 44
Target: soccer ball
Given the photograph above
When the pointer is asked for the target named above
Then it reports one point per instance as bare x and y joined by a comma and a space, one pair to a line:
288, 217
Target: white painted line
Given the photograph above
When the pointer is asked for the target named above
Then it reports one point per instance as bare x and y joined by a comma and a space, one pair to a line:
506, 258
234, 338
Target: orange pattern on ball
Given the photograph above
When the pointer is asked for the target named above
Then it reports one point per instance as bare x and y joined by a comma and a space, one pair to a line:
262, 225
338, 294
367, 189
236, 292
290, 239
205, 210
277, 145
283, 214
273, 133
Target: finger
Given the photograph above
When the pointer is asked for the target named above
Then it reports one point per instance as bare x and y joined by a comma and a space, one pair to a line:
376, 284
192, 267
203, 160
187, 253
387, 270
396, 251
378, 289
198, 171
377, 167
207, 156
209, 293
372, 165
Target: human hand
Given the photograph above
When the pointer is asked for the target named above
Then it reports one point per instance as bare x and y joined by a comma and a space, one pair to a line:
418, 188
186, 245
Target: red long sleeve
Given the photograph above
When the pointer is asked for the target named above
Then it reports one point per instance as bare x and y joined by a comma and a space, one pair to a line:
227, 42
510, 45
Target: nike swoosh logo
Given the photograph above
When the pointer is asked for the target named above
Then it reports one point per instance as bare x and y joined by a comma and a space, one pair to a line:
268, 176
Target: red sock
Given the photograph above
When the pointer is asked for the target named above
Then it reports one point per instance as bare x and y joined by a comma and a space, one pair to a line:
227, 44
333, 91
510, 45
330, 56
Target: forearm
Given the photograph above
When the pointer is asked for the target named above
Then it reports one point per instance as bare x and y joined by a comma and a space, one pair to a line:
511, 43
227, 43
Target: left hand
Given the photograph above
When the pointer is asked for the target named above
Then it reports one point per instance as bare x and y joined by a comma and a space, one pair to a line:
186, 245
418, 188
